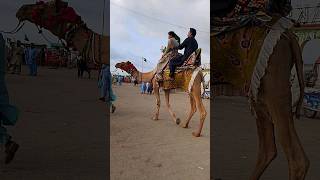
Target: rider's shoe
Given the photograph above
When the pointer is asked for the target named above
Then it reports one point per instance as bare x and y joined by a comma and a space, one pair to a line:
10, 149
113, 108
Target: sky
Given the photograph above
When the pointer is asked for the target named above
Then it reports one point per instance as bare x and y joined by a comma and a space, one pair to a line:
90, 11
139, 28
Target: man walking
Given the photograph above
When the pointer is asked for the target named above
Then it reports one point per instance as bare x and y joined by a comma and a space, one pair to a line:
17, 59
105, 85
8, 113
190, 45
31, 60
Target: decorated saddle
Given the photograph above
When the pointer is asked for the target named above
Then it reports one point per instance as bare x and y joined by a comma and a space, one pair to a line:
241, 58
183, 74
229, 15
59, 19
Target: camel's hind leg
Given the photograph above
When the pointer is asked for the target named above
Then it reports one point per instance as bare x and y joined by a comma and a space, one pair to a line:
276, 89
267, 148
196, 92
172, 114
157, 95
191, 113
289, 140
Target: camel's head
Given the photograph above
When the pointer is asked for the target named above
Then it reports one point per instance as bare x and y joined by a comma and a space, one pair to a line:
55, 16
127, 67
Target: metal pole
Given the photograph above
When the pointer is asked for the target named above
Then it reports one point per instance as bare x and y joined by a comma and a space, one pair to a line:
100, 37
103, 16
141, 68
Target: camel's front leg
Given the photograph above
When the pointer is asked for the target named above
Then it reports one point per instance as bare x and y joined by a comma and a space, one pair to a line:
203, 113
174, 118
191, 113
157, 94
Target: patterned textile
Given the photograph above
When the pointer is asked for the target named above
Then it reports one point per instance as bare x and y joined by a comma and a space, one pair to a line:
245, 6
181, 79
163, 63
236, 14
194, 59
224, 25
235, 55
47, 17
312, 99
234, 8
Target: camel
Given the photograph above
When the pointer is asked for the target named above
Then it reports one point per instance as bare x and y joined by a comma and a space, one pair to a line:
273, 105
62, 21
194, 94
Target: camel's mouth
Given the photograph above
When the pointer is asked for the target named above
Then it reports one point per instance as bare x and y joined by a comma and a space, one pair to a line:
123, 64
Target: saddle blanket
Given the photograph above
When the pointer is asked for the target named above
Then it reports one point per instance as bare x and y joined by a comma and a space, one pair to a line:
183, 79
235, 55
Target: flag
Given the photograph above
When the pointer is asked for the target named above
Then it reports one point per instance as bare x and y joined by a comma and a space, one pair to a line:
26, 38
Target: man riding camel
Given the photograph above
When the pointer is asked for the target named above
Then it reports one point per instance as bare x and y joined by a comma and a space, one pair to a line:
190, 45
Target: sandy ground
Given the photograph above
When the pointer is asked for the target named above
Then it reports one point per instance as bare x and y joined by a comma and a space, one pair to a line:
61, 130
235, 143
144, 149
62, 135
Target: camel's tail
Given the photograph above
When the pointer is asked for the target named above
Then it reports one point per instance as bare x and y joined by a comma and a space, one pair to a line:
203, 87
197, 72
298, 62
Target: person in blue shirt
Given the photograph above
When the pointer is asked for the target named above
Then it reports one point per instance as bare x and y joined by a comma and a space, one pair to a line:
143, 88
32, 60
105, 84
8, 113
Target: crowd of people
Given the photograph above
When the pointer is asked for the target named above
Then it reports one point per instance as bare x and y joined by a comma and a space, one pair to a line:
18, 54
146, 88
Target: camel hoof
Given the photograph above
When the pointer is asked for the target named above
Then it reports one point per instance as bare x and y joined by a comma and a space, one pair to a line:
196, 134
155, 118
184, 126
178, 121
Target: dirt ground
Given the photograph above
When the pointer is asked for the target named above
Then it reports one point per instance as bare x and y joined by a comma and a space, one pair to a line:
61, 129
235, 143
144, 149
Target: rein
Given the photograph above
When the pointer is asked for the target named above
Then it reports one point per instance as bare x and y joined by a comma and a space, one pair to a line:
15, 30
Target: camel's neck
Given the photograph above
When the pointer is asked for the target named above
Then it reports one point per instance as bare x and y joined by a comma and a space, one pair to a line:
93, 46
77, 36
142, 77
80, 39
145, 77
